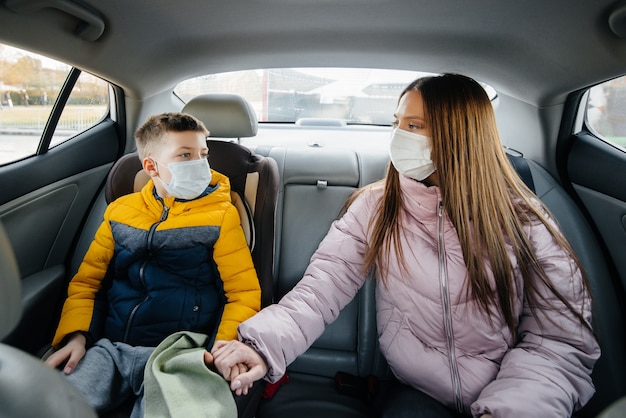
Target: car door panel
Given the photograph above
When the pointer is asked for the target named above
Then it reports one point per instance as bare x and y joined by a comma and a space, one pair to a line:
592, 168
43, 215
94, 147
41, 293
41, 225
593, 163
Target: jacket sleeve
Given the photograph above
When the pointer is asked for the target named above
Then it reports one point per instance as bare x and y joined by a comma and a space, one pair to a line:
241, 285
78, 309
548, 372
285, 330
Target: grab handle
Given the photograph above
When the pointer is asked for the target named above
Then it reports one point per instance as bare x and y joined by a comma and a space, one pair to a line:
90, 28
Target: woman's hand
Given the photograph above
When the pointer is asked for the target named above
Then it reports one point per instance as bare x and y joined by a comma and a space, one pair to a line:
239, 364
70, 354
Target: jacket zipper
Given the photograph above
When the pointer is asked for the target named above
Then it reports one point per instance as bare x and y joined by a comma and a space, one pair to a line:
142, 269
443, 276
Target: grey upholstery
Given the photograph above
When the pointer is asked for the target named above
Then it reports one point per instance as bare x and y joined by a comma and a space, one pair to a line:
28, 388
255, 178
315, 183
224, 115
609, 374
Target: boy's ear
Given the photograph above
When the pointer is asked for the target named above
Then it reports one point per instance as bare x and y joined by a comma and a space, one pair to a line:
150, 167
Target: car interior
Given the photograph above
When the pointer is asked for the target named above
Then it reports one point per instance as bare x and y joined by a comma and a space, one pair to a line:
293, 166
20, 370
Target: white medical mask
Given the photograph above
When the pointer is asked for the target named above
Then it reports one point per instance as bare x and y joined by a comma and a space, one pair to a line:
188, 178
410, 154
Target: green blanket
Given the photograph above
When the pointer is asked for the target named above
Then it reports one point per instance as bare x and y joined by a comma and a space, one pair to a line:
177, 383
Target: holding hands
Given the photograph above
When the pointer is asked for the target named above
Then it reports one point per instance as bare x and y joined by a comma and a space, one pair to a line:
239, 363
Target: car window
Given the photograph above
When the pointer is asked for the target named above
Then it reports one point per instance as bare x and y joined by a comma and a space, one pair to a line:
87, 105
606, 111
353, 95
350, 108
30, 86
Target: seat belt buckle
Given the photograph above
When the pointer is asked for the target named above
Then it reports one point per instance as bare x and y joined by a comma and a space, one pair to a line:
360, 387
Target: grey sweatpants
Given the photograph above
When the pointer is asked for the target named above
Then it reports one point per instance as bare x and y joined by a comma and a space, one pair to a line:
110, 373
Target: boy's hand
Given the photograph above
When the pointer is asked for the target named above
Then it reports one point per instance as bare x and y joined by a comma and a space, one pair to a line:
70, 354
229, 374
239, 364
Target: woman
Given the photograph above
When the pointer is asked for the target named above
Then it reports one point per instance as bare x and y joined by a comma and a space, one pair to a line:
477, 285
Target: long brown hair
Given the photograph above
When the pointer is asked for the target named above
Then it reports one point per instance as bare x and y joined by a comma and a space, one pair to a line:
483, 196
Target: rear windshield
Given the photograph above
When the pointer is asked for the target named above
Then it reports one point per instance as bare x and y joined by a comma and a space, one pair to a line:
354, 96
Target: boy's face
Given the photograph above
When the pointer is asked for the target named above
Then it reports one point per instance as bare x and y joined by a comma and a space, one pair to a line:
175, 147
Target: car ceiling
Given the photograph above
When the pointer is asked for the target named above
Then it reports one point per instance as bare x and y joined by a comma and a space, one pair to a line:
534, 50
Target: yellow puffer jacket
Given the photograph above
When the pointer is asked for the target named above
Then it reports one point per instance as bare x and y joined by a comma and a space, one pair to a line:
157, 266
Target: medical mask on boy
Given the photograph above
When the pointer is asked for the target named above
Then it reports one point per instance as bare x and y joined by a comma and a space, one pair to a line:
188, 178
410, 154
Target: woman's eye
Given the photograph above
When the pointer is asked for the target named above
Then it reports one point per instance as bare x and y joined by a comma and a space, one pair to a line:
414, 126
185, 155
395, 123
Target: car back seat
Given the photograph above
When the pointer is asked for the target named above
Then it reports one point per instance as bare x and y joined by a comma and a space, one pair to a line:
252, 176
314, 186
315, 183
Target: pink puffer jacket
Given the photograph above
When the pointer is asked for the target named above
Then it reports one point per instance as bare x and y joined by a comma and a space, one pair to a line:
456, 354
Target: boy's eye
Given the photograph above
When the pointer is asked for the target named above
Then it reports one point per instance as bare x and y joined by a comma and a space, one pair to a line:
395, 123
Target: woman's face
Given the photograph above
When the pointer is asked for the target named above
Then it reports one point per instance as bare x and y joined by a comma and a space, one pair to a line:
410, 116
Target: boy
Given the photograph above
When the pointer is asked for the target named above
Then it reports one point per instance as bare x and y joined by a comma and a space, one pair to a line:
169, 258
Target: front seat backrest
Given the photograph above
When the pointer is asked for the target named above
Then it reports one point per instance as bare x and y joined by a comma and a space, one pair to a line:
23, 377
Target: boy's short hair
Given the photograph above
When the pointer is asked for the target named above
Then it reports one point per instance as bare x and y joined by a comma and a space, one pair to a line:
152, 132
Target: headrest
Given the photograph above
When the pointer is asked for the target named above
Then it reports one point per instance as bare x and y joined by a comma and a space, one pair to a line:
126, 176
10, 287
224, 115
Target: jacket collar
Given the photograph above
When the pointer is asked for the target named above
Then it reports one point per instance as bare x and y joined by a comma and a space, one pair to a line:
217, 191
420, 201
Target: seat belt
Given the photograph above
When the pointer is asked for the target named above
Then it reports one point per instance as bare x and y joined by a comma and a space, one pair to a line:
523, 169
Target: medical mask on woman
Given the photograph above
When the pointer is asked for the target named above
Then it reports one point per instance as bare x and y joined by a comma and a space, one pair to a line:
188, 178
410, 154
